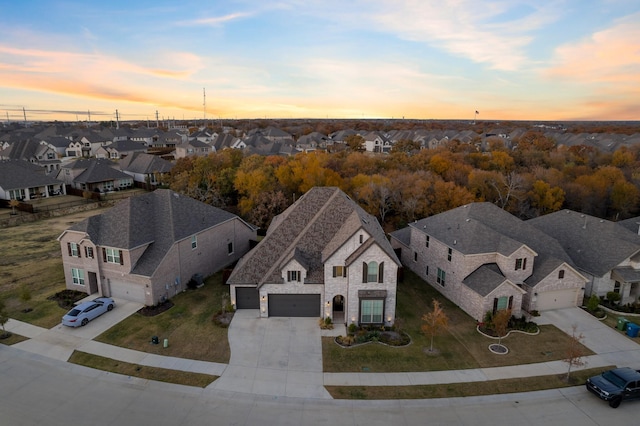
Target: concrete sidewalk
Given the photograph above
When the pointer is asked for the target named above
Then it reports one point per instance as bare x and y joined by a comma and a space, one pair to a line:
283, 356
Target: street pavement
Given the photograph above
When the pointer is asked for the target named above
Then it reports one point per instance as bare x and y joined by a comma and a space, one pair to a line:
282, 357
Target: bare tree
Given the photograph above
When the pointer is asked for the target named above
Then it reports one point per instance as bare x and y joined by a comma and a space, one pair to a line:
574, 352
511, 185
435, 322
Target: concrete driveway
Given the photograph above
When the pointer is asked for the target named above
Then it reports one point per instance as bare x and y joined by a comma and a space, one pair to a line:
274, 356
60, 341
613, 347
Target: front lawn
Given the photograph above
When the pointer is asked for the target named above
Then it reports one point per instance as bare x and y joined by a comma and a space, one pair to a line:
462, 347
188, 326
453, 390
30, 259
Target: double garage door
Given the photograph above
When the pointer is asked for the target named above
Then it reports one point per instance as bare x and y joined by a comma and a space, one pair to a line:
559, 299
294, 305
280, 305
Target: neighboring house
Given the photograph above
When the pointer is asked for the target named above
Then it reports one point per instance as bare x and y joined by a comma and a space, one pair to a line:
146, 248
376, 142
607, 253
120, 149
482, 258
193, 148
322, 257
58, 143
34, 152
98, 175
145, 168
227, 140
21, 180
91, 142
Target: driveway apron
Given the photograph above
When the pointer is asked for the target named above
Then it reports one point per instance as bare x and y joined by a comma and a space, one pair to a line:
274, 356
612, 346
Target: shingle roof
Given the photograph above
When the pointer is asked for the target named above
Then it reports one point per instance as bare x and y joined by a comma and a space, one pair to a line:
96, 170
311, 229
141, 162
485, 279
21, 174
595, 245
486, 228
158, 219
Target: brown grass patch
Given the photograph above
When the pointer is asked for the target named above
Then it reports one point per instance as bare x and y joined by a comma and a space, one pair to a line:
141, 371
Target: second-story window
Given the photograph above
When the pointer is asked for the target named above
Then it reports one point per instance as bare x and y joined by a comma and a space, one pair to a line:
74, 249
521, 263
339, 271
449, 254
427, 242
194, 241
110, 255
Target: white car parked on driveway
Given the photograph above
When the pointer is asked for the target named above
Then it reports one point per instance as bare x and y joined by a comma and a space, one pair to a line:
86, 311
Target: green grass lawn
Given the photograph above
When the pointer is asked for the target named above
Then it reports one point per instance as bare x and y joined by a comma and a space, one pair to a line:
188, 325
461, 347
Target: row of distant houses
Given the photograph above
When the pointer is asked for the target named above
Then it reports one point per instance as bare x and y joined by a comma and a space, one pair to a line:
326, 257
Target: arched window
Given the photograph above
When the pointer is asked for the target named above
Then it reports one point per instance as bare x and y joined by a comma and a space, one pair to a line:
372, 272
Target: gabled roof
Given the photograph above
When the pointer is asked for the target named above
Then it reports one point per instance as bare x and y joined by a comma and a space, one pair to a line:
57, 141
21, 174
310, 231
595, 245
485, 228
143, 163
485, 279
158, 219
96, 170
25, 149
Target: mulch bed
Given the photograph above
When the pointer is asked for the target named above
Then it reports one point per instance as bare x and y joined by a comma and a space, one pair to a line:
67, 299
151, 311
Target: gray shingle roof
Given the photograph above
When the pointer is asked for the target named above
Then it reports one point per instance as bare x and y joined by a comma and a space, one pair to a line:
311, 229
486, 228
485, 279
21, 174
141, 162
96, 170
158, 219
595, 245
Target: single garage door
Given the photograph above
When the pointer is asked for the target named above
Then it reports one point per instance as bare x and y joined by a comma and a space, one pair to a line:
247, 298
126, 291
559, 299
294, 305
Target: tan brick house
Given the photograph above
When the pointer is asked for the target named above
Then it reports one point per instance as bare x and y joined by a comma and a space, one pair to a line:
147, 248
483, 259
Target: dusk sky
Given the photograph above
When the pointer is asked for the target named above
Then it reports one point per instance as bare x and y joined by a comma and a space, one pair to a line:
444, 59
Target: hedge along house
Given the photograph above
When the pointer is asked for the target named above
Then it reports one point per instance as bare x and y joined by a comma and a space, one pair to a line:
322, 257
146, 248
482, 258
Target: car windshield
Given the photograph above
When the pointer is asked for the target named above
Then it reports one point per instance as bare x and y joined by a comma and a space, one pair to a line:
613, 378
74, 312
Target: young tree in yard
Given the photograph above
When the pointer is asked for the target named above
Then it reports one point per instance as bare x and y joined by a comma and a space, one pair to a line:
574, 351
435, 322
14, 204
500, 323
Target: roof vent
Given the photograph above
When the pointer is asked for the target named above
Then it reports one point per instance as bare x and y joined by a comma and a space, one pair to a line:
468, 220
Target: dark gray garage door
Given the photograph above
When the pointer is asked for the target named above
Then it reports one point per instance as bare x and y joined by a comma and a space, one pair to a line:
247, 298
294, 305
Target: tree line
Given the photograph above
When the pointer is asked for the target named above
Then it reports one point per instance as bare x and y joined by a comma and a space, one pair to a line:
534, 179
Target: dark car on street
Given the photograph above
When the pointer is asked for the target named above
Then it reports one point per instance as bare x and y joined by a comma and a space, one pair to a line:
615, 386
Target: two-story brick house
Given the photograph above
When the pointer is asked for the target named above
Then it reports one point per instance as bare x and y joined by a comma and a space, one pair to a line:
322, 257
484, 259
606, 252
147, 248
